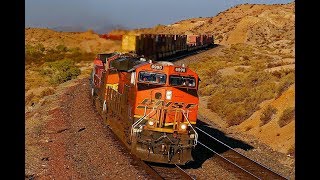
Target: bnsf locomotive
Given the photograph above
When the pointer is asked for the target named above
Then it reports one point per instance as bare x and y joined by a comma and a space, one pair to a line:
151, 106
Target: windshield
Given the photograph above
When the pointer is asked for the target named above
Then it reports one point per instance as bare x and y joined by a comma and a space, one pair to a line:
182, 81
150, 77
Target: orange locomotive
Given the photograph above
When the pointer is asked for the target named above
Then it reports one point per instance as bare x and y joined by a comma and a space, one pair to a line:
151, 106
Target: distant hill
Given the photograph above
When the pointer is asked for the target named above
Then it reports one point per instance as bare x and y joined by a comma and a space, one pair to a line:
87, 41
69, 28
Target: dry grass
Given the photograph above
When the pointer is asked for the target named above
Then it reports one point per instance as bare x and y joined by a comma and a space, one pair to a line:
285, 83
35, 95
236, 97
38, 54
267, 114
287, 116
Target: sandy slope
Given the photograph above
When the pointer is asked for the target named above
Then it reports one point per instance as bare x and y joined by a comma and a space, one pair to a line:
280, 139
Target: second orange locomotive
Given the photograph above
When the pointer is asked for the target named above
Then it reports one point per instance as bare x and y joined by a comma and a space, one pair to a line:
151, 106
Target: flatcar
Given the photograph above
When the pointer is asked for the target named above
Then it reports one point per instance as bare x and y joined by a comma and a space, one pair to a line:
151, 106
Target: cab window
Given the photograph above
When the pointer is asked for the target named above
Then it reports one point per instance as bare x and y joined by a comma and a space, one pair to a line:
182, 81
150, 77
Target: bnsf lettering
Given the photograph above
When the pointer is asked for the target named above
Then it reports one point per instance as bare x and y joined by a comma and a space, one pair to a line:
190, 106
168, 104
177, 105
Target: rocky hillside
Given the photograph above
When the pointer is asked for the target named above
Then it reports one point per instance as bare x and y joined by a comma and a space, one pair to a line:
263, 25
86, 41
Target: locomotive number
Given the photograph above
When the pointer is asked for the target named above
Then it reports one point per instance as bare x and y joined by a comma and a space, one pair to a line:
180, 69
157, 67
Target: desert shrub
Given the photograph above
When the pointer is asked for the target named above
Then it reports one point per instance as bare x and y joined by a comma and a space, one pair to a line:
240, 69
276, 64
38, 54
287, 116
61, 48
34, 54
52, 55
285, 83
245, 58
47, 91
267, 114
281, 73
32, 99
237, 97
219, 37
248, 128
60, 71
29, 98
207, 90
79, 56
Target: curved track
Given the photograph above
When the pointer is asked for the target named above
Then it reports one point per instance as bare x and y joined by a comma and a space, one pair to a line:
170, 171
242, 162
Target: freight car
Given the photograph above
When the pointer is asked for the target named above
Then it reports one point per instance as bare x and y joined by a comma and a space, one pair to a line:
159, 46
151, 106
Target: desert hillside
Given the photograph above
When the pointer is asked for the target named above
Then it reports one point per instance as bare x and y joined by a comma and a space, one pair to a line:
263, 25
246, 23
86, 41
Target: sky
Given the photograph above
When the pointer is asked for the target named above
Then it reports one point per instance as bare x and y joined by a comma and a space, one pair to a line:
104, 15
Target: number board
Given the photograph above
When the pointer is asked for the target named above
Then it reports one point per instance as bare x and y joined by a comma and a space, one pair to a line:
180, 69
156, 67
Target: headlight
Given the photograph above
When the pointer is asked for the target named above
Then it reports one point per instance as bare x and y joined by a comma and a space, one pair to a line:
151, 123
183, 126
169, 95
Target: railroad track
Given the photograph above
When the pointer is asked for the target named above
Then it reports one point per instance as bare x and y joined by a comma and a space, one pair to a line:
175, 58
165, 171
252, 168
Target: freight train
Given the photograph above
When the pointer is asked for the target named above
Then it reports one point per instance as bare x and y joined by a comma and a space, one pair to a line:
150, 105
160, 46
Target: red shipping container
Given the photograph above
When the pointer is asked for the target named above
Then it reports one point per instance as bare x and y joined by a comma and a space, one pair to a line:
192, 40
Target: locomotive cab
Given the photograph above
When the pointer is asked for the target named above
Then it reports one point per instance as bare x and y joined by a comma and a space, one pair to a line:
165, 109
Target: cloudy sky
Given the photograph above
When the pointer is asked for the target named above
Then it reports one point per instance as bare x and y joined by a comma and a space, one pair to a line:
102, 15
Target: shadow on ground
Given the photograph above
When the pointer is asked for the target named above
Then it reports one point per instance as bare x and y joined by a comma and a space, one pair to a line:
200, 154
183, 55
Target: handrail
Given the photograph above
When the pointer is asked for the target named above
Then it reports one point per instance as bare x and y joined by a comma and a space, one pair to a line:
135, 124
141, 119
195, 132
